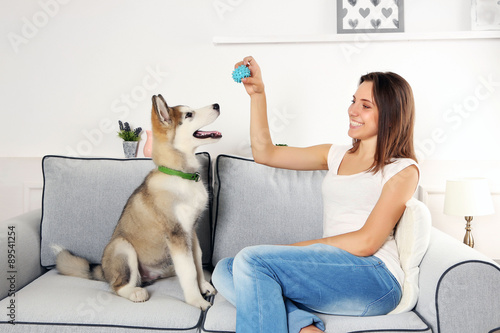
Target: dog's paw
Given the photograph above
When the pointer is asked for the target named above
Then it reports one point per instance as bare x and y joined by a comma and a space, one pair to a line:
200, 303
207, 289
139, 295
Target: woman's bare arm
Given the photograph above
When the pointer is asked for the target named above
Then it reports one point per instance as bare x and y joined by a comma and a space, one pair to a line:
263, 149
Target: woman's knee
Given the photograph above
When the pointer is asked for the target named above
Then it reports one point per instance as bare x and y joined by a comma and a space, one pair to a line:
223, 271
222, 279
251, 258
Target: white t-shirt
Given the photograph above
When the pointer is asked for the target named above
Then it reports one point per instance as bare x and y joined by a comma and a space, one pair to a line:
348, 200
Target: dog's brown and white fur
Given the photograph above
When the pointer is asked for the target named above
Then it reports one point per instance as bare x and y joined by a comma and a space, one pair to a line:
155, 236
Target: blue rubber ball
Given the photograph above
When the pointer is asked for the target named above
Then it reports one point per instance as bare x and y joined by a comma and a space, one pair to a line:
240, 73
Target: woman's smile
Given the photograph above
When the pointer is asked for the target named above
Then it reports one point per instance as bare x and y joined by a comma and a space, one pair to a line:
355, 124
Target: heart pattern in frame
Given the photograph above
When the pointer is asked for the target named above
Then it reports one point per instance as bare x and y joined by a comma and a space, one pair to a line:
387, 12
353, 23
375, 23
370, 16
364, 12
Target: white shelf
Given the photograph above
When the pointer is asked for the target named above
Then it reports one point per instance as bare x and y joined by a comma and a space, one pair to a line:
340, 38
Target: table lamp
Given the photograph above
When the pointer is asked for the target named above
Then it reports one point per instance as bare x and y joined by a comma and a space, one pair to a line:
468, 197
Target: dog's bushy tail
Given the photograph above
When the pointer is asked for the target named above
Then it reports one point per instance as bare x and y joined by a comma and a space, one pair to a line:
71, 265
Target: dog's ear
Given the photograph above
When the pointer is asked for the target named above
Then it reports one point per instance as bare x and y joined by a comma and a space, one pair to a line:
161, 109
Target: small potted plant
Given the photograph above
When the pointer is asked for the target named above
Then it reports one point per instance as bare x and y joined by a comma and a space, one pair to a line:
130, 139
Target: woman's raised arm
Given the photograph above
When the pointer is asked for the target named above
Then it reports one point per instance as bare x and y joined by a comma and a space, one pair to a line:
263, 149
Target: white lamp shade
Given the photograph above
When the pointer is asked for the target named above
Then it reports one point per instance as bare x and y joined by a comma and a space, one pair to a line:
468, 197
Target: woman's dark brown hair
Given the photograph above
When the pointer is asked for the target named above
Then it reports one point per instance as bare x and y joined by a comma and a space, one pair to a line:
396, 107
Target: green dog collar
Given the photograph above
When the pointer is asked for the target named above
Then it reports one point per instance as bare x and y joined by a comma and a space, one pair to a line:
190, 176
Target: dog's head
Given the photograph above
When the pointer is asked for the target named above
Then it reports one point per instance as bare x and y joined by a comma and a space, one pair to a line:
180, 126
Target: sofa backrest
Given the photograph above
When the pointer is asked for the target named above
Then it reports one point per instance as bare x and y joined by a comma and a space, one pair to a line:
83, 199
255, 204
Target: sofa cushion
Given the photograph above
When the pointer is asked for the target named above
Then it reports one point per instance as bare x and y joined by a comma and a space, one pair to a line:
256, 204
221, 317
83, 199
412, 235
58, 300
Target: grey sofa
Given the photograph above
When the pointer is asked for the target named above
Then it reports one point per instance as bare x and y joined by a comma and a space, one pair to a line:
250, 204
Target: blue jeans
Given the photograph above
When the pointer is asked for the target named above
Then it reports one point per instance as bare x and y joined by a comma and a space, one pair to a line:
276, 288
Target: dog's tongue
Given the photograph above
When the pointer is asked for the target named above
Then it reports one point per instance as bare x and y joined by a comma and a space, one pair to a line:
207, 134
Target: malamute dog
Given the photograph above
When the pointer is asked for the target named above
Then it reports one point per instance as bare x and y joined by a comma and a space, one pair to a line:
155, 236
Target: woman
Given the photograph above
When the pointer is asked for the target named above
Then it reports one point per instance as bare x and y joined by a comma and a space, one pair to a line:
354, 269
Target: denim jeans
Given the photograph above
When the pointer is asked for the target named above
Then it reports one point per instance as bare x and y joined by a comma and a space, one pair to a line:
276, 288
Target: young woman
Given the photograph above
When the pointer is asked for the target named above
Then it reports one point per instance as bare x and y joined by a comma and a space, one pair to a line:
354, 269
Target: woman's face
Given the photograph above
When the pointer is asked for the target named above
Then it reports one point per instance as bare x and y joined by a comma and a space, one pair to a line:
363, 113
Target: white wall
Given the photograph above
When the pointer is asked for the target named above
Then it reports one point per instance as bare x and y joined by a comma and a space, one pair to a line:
70, 69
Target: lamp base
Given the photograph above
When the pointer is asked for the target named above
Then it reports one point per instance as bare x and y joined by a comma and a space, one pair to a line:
468, 239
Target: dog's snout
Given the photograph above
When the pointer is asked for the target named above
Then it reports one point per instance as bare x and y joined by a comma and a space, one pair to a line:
216, 107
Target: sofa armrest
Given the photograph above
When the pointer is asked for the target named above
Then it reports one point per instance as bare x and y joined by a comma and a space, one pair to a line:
459, 287
20, 253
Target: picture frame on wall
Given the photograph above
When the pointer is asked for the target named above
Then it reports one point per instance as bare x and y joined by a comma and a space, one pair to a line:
485, 15
370, 16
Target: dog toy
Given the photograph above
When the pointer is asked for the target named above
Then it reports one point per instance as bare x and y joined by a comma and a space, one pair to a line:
240, 72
